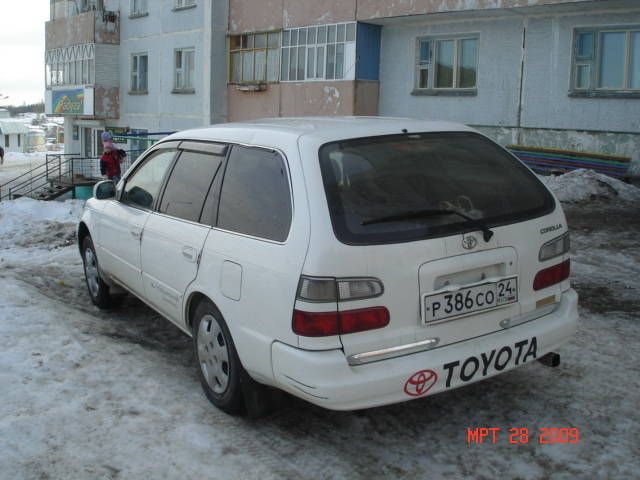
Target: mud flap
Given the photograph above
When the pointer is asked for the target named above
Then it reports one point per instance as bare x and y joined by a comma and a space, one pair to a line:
259, 399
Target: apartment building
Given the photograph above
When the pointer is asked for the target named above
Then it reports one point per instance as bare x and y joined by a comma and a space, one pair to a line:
549, 73
134, 67
553, 73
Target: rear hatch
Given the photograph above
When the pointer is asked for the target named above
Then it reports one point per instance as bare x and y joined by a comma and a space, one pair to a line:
450, 223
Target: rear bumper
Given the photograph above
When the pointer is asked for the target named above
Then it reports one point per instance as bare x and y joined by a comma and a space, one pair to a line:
326, 379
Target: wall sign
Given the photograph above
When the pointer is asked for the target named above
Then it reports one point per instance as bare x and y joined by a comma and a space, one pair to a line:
117, 132
68, 102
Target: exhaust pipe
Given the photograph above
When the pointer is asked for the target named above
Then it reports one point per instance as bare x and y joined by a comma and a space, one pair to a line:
551, 359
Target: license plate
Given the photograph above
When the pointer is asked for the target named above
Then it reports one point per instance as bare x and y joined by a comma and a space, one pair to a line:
470, 299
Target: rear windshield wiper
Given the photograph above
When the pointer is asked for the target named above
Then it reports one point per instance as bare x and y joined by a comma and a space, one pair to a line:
487, 233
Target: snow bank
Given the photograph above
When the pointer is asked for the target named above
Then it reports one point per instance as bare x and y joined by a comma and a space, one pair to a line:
27, 222
580, 185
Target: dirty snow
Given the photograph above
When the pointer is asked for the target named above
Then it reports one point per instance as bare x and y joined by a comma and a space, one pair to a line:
88, 394
580, 185
25, 221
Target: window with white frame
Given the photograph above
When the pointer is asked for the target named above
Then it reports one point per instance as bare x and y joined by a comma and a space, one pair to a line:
139, 72
447, 63
184, 69
607, 60
184, 3
73, 65
139, 7
254, 57
324, 52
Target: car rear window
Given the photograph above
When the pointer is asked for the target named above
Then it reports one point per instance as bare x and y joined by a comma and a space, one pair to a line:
377, 177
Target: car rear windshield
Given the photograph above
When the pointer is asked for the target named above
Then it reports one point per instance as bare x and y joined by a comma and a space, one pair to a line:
368, 179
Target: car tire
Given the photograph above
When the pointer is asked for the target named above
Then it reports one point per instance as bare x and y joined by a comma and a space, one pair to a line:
98, 289
219, 368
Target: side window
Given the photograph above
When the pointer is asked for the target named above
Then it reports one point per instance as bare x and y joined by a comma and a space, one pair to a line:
255, 196
143, 186
189, 184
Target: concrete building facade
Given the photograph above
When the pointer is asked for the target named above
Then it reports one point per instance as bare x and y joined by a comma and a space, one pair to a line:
134, 67
548, 73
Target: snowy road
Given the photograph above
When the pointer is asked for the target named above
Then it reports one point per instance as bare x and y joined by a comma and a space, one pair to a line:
86, 394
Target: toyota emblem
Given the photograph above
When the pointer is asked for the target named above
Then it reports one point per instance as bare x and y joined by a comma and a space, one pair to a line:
420, 383
469, 242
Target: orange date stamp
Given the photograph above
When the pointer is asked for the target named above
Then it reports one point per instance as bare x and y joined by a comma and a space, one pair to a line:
522, 436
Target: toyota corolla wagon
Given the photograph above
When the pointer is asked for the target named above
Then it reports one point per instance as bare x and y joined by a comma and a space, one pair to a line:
352, 262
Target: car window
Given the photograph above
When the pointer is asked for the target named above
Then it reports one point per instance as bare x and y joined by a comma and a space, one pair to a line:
143, 186
255, 198
189, 184
369, 179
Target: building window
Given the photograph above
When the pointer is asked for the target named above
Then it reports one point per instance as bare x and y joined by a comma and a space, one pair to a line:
447, 63
139, 8
7, 142
73, 65
254, 58
184, 70
184, 4
139, 69
606, 60
325, 52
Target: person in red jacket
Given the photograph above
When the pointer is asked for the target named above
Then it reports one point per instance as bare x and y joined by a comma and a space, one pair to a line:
111, 159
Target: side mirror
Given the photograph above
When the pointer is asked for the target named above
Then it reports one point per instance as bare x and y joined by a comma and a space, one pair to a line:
104, 190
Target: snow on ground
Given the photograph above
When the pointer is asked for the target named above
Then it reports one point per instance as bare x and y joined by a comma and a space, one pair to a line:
89, 394
580, 185
16, 164
28, 222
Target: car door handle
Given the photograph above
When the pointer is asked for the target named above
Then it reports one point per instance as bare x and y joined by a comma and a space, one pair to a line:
190, 253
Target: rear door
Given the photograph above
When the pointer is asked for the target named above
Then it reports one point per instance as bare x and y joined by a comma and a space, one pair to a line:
175, 234
255, 254
122, 221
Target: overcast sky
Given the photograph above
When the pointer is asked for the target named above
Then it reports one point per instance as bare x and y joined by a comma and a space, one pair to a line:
22, 50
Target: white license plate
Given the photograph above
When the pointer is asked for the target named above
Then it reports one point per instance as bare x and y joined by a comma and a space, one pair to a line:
471, 299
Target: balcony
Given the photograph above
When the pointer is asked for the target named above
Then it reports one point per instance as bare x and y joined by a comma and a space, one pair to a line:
93, 26
81, 60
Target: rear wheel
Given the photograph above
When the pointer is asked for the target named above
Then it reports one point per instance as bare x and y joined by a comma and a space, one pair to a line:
98, 290
219, 368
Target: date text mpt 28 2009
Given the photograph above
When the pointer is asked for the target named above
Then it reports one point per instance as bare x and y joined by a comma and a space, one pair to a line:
544, 436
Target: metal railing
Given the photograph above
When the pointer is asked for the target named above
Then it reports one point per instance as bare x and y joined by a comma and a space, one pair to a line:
62, 168
55, 165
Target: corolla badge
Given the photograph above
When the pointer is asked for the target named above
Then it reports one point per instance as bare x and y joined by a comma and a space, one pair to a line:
469, 242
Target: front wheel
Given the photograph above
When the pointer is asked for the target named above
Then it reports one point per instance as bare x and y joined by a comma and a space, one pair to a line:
98, 290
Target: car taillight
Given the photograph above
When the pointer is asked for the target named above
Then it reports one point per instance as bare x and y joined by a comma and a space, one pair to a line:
552, 275
315, 324
554, 248
323, 324
352, 321
329, 289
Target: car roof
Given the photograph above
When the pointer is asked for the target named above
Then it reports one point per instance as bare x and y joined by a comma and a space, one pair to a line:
321, 129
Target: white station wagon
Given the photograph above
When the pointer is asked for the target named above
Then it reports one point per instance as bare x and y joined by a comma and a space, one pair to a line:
352, 262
